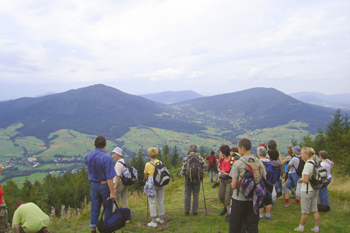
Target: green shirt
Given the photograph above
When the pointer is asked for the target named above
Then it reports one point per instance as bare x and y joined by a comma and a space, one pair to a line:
30, 217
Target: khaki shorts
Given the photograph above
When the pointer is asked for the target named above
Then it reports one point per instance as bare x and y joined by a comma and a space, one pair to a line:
309, 202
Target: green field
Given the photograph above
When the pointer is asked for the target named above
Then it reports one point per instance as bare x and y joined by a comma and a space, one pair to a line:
32, 178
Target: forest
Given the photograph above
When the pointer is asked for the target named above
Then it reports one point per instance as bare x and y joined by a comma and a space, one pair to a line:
72, 190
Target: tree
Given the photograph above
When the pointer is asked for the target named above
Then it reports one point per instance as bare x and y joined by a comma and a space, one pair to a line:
175, 157
11, 195
139, 164
202, 151
25, 191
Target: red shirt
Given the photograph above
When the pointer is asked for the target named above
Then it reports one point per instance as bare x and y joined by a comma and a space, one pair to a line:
212, 160
226, 165
1, 193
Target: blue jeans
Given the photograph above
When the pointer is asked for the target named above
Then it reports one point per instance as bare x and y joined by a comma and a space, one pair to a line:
279, 185
323, 194
291, 182
211, 171
98, 194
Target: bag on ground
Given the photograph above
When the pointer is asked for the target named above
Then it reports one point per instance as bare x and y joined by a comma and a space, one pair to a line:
318, 179
273, 171
252, 170
274, 194
129, 175
115, 221
323, 208
161, 174
193, 169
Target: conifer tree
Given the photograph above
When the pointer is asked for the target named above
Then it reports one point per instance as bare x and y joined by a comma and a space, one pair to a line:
11, 195
25, 191
202, 151
139, 164
175, 157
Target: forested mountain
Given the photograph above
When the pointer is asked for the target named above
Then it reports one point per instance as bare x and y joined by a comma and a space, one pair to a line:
259, 108
171, 97
92, 110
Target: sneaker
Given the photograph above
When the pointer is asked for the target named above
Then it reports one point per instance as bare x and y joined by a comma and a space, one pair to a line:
161, 221
261, 219
268, 218
187, 213
315, 230
299, 229
152, 224
224, 211
227, 219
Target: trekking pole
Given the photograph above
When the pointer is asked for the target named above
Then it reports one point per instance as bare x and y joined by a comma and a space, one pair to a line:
147, 208
205, 204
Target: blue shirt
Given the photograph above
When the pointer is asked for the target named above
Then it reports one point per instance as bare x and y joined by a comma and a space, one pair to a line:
100, 166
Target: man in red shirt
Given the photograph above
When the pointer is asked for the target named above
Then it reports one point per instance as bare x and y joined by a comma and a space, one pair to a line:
212, 159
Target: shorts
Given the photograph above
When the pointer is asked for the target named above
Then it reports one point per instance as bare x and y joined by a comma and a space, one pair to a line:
308, 202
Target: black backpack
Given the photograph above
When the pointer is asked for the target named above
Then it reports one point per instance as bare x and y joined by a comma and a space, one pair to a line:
129, 175
161, 176
301, 165
193, 169
115, 221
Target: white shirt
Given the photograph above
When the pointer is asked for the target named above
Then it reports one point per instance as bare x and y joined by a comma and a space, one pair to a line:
118, 167
328, 168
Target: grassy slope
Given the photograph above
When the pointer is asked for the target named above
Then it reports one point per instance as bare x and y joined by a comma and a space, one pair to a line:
283, 219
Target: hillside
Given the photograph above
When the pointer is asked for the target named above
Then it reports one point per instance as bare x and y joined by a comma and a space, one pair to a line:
171, 97
92, 110
259, 108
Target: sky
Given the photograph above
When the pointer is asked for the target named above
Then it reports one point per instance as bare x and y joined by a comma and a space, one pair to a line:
150, 46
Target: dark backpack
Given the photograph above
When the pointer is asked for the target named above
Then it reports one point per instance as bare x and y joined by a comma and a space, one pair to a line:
301, 165
273, 171
115, 221
161, 175
236, 156
323, 208
129, 175
318, 179
193, 169
252, 170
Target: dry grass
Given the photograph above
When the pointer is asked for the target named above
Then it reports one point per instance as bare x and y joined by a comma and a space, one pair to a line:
340, 184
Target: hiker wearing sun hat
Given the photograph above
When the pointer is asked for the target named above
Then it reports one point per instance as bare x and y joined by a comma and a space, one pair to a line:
120, 189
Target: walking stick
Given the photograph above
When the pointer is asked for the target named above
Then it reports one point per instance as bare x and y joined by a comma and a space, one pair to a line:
147, 208
205, 204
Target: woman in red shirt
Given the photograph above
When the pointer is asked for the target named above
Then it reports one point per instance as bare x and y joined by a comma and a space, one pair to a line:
225, 190
212, 165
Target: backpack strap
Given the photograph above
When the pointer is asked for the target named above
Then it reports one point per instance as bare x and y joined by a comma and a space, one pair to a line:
124, 164
155, 164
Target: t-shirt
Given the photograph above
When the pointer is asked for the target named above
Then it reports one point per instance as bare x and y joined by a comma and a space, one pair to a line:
328, 168
100, 166
149, 168
294, 163
211, 160
308, 170
237, 168
118, 167
225, 165
1, 193
286, 164
30, 217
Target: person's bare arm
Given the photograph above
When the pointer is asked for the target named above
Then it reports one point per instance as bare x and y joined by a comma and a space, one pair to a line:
111, 189
234, 184
117, 178
286, 159
16, 228
305, 179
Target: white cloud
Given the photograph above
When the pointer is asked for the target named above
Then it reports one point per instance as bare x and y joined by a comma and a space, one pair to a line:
165, 74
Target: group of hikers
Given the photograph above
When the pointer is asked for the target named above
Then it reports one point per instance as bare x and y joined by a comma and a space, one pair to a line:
248, 184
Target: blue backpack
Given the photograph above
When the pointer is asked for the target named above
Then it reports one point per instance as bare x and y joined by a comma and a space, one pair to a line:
273, 171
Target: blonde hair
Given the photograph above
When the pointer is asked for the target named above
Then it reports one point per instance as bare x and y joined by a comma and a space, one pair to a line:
309, 151
289, 150
152, 152
1, 167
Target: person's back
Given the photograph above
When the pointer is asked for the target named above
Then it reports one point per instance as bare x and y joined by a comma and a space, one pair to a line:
30, 217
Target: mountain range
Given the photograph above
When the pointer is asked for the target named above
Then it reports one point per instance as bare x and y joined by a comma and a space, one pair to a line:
334, 101
100, 109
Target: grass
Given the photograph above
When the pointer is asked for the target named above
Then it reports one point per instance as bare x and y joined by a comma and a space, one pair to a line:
283, 219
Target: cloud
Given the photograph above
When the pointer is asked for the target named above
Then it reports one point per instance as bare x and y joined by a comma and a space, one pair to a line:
165, 74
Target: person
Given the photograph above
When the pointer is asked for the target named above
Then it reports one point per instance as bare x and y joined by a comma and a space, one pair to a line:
225, 190
267, 202
323, 193
292, 176
4, 225
212, 168
121, 191
192, 187
158, 191
100, 173
241, 207
274, 154
286, 161
28, 217
234, 153
308, 194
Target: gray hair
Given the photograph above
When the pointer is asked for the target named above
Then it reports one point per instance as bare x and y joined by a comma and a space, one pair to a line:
261, 151
193, 148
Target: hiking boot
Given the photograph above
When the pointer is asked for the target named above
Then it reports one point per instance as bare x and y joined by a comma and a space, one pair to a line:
299, 229
195, 213
93, 231
211, 181
161, 221
187, 213
152, 224
224, 211
227, 219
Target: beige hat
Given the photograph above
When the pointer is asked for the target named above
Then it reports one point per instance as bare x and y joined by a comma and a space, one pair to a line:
118, 151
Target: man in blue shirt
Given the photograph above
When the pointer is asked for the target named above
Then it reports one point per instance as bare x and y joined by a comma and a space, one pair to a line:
100, 173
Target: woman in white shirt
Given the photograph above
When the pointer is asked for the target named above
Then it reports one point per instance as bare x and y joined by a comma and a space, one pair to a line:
308, 194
